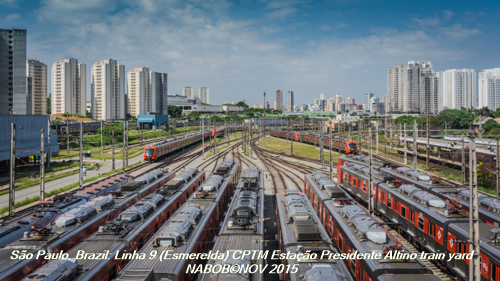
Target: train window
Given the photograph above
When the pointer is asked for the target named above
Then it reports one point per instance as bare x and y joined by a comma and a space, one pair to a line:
431, 230
354, 182
421, 223
389, 203
353, 266
494, 272
341, 242
412, 216
403, 211
364, 187
345, 177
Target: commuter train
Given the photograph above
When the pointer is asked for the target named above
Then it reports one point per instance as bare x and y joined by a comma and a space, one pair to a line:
430, 222
300, 232
159, 149
242, 230
353, 229
344, 145
126, 233
189, 231
489, 208
73, 226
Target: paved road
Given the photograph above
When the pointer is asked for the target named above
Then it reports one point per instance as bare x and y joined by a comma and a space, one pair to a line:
62, 182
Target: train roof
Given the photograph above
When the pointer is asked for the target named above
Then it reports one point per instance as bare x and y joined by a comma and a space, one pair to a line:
246, 212
177, 236
301, 230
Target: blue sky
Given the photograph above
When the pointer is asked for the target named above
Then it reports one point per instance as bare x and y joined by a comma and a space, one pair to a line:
240, 49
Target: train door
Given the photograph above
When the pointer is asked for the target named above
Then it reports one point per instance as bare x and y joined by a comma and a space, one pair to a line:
112, 273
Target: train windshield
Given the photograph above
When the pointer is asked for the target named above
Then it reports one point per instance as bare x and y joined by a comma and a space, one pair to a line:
149, 152
352, 146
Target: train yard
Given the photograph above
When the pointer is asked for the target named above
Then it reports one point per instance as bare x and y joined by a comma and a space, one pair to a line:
246, 197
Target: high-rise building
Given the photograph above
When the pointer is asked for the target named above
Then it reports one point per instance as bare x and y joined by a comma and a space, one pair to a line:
187, 92
412, 88
289, 101
267, 105
456, 89
159, 92
489, 88
204, 95
38, 73
107, 90
139, 91
14, 97
338, 102
348, 100
69, 87
368, 96
279, 100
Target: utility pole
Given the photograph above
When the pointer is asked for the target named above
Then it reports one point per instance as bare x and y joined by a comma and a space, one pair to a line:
415, 150
330, 145
126, 147
67, 135
81, 154
385, 134
321, 143
463, 158
370, 176
428, 144
360, 123
48, 148
215, 137
12, 189
376, 135
250, 137
101, 136
390, 133
405, 144
291, 141
498, 165
203, 137
480, 126
123, 148
474, 264
400, 133
113, 137
42, 167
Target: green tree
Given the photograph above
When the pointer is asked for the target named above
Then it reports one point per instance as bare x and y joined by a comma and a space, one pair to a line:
242, 104
49, 106
174, 111
484, 111
250, 114
193, 116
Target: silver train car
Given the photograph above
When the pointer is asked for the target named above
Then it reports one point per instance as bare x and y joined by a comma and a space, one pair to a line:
189, 231
301, 233
242, 230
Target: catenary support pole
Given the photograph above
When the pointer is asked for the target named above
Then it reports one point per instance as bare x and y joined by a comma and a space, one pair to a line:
67, 136
42, 167
405, 144
12, 189
123, 147
360, 128
498, 165
415, 148
330, 144
370, 172
113, 137
48, 144
428, 145
81, 154
321, 143
463, 158
101, 136
474, 263
376, 135
203, 137
291, 141
385, 134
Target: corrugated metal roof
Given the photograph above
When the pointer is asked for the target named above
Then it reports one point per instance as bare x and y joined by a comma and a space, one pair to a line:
27, 138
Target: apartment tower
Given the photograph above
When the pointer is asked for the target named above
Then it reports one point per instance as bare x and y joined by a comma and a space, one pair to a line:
159, 92
187, 92
69, 87
38, 73
489, 88
204, 95
457, 89
279, 100
289, 100
107, 90
14, 96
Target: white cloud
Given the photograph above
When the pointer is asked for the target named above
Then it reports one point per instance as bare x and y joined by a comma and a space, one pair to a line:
74, 12
9, 3
282, 13
12, 17
448, 15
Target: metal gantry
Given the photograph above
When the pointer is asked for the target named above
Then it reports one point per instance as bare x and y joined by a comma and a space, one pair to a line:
474, 249
415, 150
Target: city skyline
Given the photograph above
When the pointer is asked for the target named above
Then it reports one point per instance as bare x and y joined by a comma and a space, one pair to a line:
245, 43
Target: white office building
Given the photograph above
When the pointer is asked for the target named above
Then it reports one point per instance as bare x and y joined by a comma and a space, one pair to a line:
107, 90
489, 88
289, 101
457, 89
69, 87
204, 95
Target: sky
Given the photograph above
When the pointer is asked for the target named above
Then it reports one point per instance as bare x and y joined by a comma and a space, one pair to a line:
240, 49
